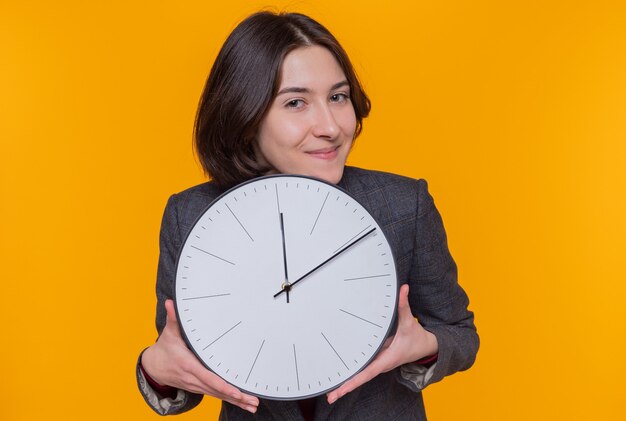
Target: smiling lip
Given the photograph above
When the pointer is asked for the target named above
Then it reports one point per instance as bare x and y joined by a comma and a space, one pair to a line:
326, 153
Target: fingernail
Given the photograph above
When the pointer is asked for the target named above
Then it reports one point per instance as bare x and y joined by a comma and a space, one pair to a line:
332, 399
251, 409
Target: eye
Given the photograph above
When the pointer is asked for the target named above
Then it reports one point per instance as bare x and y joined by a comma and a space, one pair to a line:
339, 98
295, 103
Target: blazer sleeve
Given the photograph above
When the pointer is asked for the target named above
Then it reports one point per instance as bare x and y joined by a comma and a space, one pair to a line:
437, 299
170, 242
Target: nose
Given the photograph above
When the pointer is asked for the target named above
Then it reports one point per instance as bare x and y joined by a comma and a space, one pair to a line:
325, 124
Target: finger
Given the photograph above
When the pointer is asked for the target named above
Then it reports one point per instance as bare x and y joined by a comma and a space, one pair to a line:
220, 388
171, 312
374, 369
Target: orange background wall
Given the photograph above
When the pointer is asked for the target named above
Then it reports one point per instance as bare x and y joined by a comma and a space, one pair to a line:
515, 112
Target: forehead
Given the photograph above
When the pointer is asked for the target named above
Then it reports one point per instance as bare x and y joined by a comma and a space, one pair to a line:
310, 67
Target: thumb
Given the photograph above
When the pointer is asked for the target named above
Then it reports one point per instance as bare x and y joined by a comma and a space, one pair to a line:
171, 313
404, 310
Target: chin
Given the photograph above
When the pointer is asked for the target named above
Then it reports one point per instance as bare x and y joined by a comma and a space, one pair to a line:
332, 176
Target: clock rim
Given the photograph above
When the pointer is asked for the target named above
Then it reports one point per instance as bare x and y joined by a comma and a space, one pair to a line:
390, 330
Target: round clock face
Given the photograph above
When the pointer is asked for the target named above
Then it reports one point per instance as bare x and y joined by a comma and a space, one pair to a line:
286, 287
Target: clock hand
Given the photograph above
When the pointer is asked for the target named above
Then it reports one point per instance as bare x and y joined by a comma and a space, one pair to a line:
286, 288
286, 285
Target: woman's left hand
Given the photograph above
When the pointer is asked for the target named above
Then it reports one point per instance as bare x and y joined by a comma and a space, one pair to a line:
410, 343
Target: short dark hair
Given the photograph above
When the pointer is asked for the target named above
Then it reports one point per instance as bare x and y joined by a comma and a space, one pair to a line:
243, 83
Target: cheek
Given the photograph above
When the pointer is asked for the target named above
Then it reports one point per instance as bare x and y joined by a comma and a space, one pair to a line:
347, 120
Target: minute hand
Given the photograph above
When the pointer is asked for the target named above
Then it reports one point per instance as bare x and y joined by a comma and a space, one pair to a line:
326, 261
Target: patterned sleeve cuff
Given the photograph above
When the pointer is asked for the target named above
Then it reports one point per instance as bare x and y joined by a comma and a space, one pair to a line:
416, 376
160, 405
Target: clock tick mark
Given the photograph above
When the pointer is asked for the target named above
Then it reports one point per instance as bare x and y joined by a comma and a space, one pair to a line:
362, 217
295, 360
360, 318
333, 348
203, 227
363, 230
320, 212
211, 254
240, 224
277, 201
218, 211
206, 296
367, 277
253, 364
221, 336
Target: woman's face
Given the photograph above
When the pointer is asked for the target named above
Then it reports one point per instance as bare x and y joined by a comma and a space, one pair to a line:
309, 127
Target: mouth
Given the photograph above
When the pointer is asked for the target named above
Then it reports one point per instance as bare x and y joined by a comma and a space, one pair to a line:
325, 153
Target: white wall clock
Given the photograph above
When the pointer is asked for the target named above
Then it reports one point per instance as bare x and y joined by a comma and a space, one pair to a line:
286, 287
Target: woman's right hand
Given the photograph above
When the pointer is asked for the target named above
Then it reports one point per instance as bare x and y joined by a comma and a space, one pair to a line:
169, 362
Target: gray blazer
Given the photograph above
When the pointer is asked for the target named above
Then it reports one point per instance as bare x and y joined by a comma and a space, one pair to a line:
406, 212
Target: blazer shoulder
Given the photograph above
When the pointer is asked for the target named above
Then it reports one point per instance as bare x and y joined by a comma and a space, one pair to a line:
358, 181
190, 203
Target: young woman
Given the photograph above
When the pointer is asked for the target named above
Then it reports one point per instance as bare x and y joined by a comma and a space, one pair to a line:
282, 97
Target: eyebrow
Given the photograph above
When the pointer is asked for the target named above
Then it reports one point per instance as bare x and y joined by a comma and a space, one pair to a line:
292, 89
